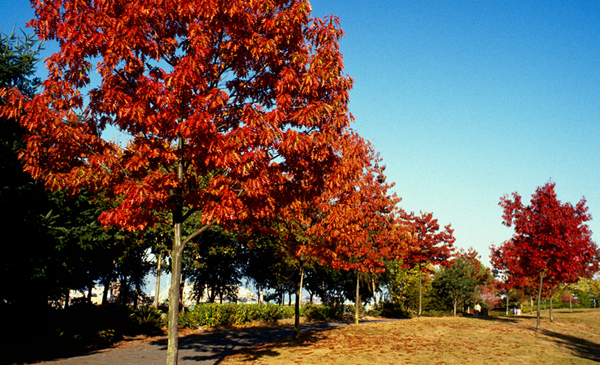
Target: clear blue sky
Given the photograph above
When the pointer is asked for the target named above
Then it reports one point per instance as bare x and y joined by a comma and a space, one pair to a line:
469, 100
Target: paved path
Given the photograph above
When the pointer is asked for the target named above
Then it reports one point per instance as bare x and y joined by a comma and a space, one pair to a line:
209, 347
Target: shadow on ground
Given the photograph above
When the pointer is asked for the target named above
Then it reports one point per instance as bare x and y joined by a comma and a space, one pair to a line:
515, 319
213, 346
579, 346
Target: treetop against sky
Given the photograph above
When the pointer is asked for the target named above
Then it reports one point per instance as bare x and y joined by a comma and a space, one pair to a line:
467, 102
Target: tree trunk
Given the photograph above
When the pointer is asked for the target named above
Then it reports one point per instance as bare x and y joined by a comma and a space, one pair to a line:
260, 294
157, 290
325, 299
421, 293
530, 304
374, 289
507, 303
90, 292
551, 316
106, 284
571, 302
67, 298
135, 299
455, 304
174, 295
296, 334
539, 298
357, 299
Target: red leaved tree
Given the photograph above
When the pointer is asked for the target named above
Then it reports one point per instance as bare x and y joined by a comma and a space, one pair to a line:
551, 242
227, 107
510, 273
361, 225
427, 243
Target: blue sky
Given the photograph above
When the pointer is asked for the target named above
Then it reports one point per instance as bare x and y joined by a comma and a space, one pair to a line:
467, 101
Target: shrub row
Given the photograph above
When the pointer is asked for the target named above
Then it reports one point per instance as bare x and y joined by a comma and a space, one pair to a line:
222, 315
214, 315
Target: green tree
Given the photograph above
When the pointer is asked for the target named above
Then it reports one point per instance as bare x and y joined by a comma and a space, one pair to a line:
24, 204
457, 282
217, 262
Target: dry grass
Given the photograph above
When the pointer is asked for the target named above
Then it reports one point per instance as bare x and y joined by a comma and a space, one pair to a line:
571, 339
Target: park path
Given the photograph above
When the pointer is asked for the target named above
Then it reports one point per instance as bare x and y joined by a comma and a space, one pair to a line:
202, 348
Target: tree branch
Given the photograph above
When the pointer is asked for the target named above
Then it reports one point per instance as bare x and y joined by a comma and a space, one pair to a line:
198, 232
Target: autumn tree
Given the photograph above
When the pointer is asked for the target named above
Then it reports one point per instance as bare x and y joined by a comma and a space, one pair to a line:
221, 102
427, 244
552, 241
360, 222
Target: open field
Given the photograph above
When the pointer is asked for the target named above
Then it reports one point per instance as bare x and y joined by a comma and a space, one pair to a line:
571, 339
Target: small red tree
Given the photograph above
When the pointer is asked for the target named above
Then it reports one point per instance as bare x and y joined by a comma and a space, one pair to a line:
427, 243
229, 106
362, 224
551, 239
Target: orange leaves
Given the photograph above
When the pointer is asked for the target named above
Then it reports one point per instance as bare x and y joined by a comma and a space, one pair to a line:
254, 91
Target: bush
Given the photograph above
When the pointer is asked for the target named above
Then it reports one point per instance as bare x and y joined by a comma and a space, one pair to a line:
438, 313
318, 312
389, 310
147, 320
223, 315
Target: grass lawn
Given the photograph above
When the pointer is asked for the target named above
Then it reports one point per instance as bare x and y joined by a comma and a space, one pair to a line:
573, 338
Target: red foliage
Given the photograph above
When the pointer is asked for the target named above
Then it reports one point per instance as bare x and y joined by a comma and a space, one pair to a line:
427, 243
230, 109
552, 243
361, 222
551, 239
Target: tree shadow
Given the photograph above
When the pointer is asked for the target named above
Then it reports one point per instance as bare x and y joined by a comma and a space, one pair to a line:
254, 342
581, 347
513, 320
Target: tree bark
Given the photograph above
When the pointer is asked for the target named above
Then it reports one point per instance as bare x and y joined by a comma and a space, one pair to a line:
374, 289
507, 302
551, 316
296, 334
357, 299
530, 304
174, 297
455, 304
539, 299
570, 302
157, 290
90, 292
106, 284
421, 293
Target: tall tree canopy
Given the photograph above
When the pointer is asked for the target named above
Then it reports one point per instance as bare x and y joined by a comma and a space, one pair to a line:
221, 100
551, 242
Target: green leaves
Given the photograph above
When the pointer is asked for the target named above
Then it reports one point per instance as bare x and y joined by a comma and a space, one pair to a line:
18, 56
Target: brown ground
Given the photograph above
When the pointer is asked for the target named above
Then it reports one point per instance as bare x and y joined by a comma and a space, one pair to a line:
571, 339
